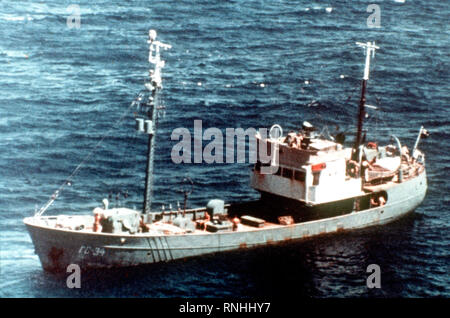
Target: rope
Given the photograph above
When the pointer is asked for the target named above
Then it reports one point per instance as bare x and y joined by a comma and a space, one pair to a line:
85, 160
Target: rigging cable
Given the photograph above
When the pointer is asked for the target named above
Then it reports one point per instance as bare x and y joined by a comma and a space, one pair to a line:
85, 160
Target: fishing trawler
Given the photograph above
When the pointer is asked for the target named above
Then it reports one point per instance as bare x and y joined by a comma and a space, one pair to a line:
310, 185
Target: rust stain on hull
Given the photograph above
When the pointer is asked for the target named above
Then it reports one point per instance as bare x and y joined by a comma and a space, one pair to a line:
55, 256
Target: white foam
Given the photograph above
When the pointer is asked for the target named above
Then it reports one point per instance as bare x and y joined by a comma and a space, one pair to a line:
15, 54
8, 17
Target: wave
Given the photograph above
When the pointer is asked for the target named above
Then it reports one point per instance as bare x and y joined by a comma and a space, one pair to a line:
26, 17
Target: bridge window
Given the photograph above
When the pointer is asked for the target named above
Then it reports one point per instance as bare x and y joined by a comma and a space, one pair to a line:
299, 175
287, 173
316, 176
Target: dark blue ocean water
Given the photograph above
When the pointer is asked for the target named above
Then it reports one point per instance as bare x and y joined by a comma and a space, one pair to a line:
62, 89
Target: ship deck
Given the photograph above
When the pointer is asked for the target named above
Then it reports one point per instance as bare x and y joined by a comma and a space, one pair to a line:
409, 172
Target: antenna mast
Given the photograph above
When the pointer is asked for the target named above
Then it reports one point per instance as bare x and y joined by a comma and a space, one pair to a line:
370, 51
148, 122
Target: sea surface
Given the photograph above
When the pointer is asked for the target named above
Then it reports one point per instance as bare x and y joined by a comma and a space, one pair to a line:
251, 63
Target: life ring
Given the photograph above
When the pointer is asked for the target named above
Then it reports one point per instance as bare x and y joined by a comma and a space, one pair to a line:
353, 169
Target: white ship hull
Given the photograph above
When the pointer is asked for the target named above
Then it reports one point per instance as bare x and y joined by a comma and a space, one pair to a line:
57, 248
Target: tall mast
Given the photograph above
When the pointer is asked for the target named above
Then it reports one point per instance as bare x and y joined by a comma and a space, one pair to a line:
369, 51
149, 123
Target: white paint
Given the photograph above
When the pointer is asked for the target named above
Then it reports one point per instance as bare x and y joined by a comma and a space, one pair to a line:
370, 50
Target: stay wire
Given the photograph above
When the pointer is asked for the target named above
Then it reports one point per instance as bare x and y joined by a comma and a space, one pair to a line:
85, 160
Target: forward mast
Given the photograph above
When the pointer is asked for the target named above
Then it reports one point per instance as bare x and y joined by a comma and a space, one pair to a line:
147, 122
